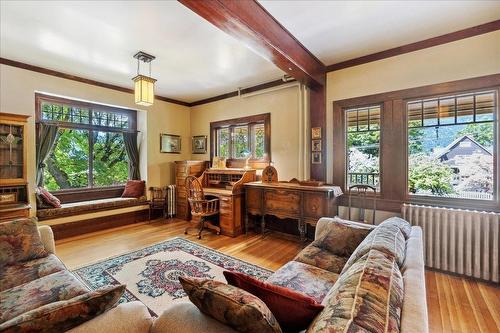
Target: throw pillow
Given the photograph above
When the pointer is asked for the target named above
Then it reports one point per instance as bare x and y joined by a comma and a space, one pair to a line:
20, 241
48, 197
293, 310
134, 189
64, 315
230, 305
342, 237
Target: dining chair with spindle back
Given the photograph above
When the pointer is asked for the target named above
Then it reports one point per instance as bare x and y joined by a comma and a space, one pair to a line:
201, 207
362, 193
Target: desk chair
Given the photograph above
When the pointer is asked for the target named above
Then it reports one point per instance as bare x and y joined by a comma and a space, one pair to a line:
201, 207
361, 193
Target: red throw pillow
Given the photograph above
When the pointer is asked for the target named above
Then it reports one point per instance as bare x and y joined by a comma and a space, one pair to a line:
49, 198
294, 311
134, 189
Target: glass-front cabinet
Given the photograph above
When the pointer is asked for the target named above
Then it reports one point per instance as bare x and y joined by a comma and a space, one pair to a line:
14, 201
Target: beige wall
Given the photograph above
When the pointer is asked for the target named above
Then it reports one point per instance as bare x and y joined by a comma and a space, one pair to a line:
467, 58
283, 104
17, 95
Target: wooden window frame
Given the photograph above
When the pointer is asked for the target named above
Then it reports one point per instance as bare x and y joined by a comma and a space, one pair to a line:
394, 143
89, 192
264, 118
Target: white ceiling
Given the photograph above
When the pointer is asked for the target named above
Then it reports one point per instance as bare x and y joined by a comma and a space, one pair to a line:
335, 31
195, 60
97, 39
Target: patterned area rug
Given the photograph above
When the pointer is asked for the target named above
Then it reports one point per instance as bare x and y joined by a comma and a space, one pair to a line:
151, 274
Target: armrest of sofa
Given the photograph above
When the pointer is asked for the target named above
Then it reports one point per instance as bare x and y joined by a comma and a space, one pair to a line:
326, 223
132, 317
185, 317
47, 237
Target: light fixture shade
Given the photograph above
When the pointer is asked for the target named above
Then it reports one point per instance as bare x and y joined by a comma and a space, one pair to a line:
144, 90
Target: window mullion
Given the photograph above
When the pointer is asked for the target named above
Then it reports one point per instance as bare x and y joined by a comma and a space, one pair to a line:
91, 158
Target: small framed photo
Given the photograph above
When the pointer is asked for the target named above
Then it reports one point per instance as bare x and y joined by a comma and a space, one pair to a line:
316, 132
170, 143
199, 144
316, 145
316, 158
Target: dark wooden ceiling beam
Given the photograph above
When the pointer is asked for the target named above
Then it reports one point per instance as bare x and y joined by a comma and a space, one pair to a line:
250, 23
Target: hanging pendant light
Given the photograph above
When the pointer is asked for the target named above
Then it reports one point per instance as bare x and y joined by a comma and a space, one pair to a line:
144, 86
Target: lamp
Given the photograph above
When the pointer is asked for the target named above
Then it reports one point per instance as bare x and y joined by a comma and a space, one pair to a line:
144, 85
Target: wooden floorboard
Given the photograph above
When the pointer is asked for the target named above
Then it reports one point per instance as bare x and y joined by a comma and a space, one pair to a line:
454, 304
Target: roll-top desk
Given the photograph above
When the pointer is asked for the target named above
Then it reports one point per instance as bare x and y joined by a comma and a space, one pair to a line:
304, 203
227, 185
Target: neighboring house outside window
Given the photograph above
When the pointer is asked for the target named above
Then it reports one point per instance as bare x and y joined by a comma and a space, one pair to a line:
450, 145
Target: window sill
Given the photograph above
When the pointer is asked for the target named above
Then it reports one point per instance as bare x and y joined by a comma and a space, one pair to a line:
469, 204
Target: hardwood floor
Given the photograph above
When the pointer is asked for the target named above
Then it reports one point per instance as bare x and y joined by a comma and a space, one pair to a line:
454, 304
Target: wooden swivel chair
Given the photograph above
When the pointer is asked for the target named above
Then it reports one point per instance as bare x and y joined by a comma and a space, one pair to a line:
361, 192
201, 208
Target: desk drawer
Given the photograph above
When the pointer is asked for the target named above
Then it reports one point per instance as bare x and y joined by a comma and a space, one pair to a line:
225, 205
282, 200
253, 199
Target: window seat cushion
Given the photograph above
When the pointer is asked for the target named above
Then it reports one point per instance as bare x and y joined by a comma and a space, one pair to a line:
76, 208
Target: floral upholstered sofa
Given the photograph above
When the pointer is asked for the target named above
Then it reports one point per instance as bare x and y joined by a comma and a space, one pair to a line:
39, 294
369, 279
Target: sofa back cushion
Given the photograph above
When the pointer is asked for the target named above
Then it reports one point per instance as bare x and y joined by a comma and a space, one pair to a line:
389, 238
368, 297
230, 305
20, 241
342, 237
63, 315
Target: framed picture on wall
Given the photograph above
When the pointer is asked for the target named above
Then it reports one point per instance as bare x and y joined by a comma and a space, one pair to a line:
199, 144
316, 158
170, 143
316, 145
316, 132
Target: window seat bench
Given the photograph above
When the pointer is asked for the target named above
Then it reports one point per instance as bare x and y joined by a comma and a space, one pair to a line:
83, 207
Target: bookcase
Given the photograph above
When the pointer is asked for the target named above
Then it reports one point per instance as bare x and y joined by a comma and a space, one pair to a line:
14, 202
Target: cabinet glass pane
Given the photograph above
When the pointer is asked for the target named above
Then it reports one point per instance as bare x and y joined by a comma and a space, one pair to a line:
11, 151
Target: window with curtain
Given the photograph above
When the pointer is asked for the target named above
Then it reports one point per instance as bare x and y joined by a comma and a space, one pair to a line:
451, 146
363, 145
89, 150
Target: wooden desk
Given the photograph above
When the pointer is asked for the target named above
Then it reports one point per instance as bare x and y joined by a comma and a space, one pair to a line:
306, 204
227, 185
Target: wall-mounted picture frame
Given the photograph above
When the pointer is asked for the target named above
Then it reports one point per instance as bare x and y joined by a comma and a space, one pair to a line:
199, 144
316, 145
170, 143
316, 133
316, 158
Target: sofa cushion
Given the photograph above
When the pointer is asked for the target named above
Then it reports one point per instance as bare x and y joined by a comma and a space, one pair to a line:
20, 241
316, 256
75, 208
25, 271
230, 305
280, 300
403, 225
368, 297
48, 289
386, 238
48, 198
310, 280
342, 237
134, 189
63, 315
